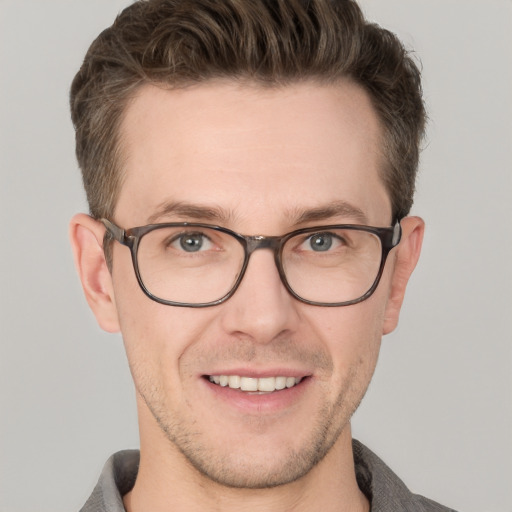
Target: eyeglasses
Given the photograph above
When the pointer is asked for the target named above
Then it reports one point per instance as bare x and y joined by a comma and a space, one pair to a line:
198, 265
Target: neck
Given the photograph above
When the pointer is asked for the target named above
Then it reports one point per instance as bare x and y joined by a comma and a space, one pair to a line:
167, 482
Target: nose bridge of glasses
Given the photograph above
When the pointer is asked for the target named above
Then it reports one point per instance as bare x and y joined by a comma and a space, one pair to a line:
272, 243
262, 242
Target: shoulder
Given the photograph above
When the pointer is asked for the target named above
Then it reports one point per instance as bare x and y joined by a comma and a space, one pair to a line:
385, 491
116, 479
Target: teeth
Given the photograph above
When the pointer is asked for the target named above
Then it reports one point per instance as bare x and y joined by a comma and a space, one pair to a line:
290, 382
248, 384
234, 382
280, 382
264, 384
267, 384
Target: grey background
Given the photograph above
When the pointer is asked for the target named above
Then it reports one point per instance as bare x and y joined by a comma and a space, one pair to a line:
439, 410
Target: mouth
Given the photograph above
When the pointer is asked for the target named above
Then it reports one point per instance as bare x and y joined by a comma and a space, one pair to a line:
254, 384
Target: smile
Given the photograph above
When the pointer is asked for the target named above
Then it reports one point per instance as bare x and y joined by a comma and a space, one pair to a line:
263, 384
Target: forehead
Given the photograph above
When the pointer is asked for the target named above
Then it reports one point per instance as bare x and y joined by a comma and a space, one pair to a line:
248, 150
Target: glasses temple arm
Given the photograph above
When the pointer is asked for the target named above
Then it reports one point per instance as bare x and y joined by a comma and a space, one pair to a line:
397, 233
114, 231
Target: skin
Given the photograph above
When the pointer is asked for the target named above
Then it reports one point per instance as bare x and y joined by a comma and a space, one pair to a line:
260, 158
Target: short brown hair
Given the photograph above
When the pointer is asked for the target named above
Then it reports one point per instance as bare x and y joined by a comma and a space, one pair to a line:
271, 42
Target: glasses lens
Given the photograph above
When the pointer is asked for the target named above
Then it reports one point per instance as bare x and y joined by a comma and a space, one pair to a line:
333, 266
189, 264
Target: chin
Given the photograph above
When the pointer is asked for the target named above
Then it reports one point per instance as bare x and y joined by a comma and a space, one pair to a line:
260, 464
257, 474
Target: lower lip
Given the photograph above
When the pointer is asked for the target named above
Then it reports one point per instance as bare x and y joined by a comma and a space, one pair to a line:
257, 402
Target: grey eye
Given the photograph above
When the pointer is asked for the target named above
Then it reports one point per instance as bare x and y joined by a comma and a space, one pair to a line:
321, 242
192, 242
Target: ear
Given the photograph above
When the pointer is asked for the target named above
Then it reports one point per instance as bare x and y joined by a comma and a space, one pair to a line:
86, 236
406, 257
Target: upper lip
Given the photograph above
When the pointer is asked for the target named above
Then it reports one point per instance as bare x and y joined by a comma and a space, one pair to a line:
259, 373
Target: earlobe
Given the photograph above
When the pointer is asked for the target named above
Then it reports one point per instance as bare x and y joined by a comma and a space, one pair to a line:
407, 255
86, 235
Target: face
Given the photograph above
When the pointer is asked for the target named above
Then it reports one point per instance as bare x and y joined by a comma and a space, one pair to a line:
257, 161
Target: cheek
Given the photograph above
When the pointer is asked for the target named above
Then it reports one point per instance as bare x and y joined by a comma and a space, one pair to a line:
351, 335
147, 327
157, 338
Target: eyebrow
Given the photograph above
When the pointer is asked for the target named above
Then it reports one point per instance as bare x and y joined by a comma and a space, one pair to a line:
190, 211
335, 209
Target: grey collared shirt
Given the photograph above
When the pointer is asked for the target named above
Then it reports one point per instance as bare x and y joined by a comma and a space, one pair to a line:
385, 491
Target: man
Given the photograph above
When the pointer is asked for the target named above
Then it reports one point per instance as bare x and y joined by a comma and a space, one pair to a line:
249, 167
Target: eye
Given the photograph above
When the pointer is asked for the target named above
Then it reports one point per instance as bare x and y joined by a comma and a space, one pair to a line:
191, 242
322, 242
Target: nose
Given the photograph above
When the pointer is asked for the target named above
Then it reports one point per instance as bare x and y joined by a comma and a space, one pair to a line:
261, 308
